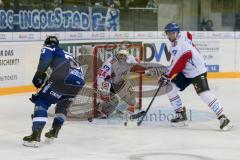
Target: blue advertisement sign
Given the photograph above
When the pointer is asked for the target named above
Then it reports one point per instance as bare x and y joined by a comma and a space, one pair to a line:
72, 19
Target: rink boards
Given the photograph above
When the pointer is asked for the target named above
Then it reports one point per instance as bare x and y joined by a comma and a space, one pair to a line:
20, 52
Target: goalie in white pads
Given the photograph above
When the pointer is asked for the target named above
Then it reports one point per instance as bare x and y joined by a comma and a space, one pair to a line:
113, 83
188, 66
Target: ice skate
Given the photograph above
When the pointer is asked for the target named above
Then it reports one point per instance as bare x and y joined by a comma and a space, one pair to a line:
180, 119
33, 140
225, 124
51, 134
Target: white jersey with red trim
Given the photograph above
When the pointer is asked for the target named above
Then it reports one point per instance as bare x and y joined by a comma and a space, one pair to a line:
186, 57
114, 70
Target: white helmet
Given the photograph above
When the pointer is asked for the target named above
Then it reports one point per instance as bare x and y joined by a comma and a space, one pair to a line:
123, 51
122, 55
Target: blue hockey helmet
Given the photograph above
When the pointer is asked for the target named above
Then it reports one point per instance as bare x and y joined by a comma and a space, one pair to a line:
172, 27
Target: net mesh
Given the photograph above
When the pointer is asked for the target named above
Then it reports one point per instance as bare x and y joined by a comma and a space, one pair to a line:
91, 58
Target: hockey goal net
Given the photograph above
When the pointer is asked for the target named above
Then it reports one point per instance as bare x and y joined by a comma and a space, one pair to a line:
91, 58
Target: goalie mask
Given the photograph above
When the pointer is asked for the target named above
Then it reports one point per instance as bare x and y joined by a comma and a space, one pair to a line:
51, 41
122, 55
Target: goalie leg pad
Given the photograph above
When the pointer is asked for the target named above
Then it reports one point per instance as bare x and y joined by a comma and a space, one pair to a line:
106, 108
127, 94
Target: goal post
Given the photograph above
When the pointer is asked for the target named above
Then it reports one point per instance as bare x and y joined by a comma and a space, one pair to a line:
84, 105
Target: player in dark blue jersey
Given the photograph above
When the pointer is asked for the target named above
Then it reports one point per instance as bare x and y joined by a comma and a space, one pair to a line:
63, 84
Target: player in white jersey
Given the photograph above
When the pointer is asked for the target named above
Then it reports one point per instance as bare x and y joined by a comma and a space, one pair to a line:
188, 67
113, 82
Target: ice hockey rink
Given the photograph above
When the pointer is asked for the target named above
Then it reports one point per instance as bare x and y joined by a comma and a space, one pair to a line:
110, 139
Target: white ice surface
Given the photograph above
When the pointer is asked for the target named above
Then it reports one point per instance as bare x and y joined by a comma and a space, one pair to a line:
107, 140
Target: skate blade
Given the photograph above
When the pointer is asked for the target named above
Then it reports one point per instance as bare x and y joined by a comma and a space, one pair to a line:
228, 127
33, 144
180, 124
49, 140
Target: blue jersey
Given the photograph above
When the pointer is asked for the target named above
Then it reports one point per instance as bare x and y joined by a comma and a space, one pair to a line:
62, 86
52, 57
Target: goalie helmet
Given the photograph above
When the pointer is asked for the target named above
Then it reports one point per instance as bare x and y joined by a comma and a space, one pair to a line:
123, 51
51, 41
172, 27
122, 54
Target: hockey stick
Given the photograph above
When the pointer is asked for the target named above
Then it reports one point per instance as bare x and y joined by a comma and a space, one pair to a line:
142, 114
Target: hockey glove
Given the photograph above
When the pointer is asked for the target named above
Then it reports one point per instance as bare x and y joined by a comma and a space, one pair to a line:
164, 78
39, 79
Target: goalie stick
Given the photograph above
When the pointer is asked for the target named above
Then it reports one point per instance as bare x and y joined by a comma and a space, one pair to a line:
142, 114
